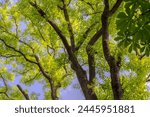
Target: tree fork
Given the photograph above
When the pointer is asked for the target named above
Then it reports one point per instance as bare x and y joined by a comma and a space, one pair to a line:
81, 74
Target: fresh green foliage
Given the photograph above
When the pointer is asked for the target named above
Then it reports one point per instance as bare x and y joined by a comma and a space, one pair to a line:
31, 51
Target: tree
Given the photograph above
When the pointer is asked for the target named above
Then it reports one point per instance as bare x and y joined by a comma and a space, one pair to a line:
51, 41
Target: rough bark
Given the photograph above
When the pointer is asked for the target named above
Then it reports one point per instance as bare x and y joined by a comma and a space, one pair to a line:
93, 40
81, 74
114, 68
91, 53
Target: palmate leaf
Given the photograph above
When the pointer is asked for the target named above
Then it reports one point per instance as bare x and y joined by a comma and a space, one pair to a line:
122, 24
135, 26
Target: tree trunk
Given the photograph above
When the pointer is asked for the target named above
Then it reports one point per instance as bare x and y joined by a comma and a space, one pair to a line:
88, 92
115, 80
114, 67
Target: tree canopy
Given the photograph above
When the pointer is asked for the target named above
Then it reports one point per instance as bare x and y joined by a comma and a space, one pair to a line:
105, 44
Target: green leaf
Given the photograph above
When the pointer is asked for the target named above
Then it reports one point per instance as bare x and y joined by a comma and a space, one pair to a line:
142, 49
122, 15
127, 8
147, 51
122, 25
121, 43
118, 38
126, 42
130, 48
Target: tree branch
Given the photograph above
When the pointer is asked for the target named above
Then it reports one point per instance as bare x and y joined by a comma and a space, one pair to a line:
90, 53
113, 64
105, 34
37, 28
47, 76
6, 88
18, 51
41, 68
32, 79
93, 40
148, 78
26, 96
9, 55
27, 45
60, 34
70, 29
98, 34
85, 35
55, 27
81, 74
89, 4
115, 7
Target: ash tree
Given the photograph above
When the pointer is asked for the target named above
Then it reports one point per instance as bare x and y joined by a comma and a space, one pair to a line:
104, 44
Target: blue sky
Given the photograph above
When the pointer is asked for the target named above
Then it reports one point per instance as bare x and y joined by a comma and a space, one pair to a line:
69, 93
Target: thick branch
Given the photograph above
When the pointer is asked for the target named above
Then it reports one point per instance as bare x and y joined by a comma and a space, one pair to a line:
115, 7
69, 26
55, 27
98, 34
81, 74
93, 40
60, 34
23, 92
90, 53
53, 90
105, 34
113, 64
